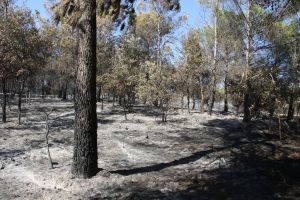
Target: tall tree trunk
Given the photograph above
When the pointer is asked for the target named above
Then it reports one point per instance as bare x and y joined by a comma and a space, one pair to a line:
4, 100
85, 134
247, 103
214, 86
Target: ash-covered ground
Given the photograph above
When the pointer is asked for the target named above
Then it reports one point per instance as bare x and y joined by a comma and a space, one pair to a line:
192, 156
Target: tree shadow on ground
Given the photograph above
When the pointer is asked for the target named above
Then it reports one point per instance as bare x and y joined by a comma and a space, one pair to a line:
105, 121
11, 153
257, 169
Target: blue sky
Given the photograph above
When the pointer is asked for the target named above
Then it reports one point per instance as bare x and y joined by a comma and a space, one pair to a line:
196, 14
35, 5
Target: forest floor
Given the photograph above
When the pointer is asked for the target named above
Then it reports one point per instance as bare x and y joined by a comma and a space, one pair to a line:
192, 156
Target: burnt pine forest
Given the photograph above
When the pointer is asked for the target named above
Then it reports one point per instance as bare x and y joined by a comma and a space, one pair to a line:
150, 99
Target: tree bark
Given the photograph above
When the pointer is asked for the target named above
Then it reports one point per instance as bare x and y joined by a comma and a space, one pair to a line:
194, 102
247, 113
65, 89
188, 100
43, 89
291, 110
85, 154
226, 95
4, 100
99, 94
226, 82
102, 102
114, 99
247, 103
182, 103
202, 100
214, 86
21, 89
47, 140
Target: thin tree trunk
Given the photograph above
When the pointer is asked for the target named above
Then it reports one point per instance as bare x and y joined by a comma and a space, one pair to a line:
114, 99
28, 96
19, 108
164, 117
226, 83
99, 94
237, 110
85, 156
102, 102
291, 109
43, 89
124, 107
21, 89
202, 101
65, 89
188, 100
214, 86
279, 126
247, 114
47, 139
194, 102
226, 95
60, 91
182, 103
4, 100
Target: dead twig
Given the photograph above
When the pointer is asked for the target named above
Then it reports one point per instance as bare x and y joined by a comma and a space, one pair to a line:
47, 114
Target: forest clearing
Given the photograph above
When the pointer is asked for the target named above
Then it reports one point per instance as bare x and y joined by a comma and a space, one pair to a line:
150, 99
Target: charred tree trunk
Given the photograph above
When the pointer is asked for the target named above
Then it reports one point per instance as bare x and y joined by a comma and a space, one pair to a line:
43, 89
214, 86
102, 102
202, 101
247, 103
21, 89
164, 117
4, 100
194, 102
182, 103
114, 99
99, 94
247, 114
124, 104
291, 110
226, 89
60, 91
85, 154
213, 99
188, 100
226, 101
64, 93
